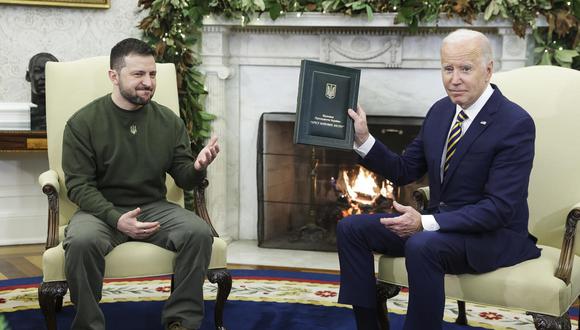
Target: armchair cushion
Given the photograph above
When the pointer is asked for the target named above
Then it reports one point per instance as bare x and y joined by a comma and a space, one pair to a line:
130, 259
516, 287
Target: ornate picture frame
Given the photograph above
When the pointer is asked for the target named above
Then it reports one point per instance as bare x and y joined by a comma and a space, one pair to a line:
102, 4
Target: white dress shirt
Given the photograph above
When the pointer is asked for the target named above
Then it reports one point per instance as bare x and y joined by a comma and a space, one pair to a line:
428, 221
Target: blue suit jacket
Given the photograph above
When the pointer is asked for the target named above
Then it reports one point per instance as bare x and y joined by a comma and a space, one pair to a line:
484, 194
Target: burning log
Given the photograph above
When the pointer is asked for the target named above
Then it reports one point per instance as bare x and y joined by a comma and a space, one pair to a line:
360, 193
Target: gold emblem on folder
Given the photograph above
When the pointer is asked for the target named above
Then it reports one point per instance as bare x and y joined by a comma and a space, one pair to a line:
133, 129
330, 91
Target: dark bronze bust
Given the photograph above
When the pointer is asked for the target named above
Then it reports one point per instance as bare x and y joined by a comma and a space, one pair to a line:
35, 75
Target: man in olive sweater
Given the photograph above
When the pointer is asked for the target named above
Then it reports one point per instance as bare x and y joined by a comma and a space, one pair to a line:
116, 153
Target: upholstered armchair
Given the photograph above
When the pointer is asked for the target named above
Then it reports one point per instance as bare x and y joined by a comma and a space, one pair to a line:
547, 286
69, 86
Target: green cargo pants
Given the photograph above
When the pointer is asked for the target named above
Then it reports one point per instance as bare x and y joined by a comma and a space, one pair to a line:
88, 240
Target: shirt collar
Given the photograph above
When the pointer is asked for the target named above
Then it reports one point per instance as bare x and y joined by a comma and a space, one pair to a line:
476, 107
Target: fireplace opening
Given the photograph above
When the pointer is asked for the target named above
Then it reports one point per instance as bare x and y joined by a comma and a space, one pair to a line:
303, 191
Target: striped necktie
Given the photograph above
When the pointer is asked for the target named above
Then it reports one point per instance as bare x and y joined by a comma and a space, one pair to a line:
453, 139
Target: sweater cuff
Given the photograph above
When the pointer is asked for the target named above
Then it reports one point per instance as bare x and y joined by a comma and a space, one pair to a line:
113, 217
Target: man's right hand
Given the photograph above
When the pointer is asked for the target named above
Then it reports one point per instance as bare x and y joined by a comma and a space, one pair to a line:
406, 224
130, 226
361, 130
207, 154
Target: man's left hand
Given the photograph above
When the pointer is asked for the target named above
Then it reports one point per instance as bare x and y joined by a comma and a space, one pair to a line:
207, 154
405, 225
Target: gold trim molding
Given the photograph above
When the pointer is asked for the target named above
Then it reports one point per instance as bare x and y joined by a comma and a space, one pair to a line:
101, 4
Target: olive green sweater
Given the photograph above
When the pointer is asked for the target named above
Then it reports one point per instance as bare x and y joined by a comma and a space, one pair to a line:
114, 157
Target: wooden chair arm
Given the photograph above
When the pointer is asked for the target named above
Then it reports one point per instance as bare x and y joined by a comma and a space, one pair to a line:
50, 187
421, 197
565, 263
199, 204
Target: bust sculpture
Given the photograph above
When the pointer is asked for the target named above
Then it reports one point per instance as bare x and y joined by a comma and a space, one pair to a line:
35, 75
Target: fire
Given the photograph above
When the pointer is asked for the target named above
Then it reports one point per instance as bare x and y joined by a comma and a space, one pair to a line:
363, 191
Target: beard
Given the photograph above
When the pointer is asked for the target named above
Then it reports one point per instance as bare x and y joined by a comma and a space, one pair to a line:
132, 96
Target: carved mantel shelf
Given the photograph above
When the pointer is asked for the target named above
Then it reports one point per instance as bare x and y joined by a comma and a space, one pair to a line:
357, 41
379, 20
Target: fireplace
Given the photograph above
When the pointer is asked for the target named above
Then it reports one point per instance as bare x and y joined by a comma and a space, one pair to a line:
253, 69
303, 191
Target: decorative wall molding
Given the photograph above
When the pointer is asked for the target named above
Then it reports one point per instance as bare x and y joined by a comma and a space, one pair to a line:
29, 228
8, 217
217, 191
23, 206
21, 190
359, 50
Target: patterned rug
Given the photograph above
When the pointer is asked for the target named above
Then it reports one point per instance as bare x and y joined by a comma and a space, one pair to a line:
260, 299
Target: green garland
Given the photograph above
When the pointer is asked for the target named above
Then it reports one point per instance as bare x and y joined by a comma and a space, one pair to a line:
173, 27
4, 323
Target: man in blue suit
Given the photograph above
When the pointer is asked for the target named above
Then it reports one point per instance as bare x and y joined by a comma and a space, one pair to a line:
477, 148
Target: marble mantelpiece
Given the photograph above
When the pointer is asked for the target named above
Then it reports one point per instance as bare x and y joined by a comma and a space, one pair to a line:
254, 69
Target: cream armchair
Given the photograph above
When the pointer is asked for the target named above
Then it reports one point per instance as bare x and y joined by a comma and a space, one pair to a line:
69, 86
545, 287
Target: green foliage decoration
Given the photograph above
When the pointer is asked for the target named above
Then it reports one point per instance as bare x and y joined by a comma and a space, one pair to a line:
4, 323
173, 28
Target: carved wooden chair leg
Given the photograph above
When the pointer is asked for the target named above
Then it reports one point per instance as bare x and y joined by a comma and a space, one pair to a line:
548, 322
50, 300
384, 292
461, 316
224, 281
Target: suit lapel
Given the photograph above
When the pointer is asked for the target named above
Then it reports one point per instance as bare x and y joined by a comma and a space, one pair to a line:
481, 122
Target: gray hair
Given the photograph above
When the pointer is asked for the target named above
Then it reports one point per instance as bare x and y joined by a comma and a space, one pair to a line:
464, 35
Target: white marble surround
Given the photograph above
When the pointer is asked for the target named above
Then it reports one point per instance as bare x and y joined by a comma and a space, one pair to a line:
255, 68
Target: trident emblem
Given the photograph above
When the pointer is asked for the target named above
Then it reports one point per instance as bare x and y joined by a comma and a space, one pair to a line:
330, 91
133, 129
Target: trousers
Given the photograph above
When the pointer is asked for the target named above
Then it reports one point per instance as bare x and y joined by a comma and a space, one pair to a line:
429, 255
88, 240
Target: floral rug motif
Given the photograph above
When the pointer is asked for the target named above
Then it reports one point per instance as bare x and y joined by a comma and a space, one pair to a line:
265, 286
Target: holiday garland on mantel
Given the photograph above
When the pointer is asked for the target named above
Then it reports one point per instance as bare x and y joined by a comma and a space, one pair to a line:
173, 27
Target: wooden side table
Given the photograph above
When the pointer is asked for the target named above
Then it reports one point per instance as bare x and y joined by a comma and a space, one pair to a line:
22, 141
